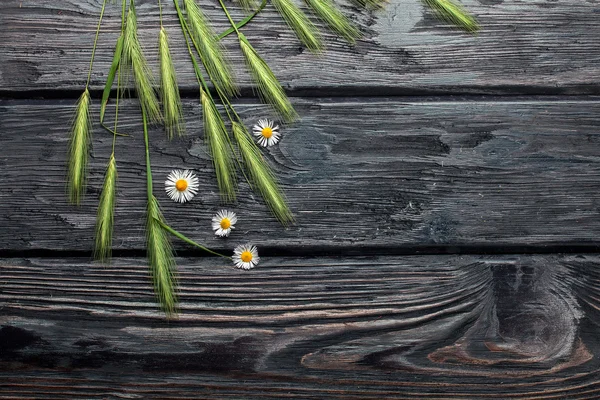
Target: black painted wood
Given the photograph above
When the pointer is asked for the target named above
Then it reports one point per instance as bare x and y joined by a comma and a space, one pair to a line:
524, 47
359, 173
361, 327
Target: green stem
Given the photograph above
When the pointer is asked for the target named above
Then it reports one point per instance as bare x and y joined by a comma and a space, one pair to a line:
229, 17
227, 105
123, 9
187, 35
149, 190
115, 134
116, 110
160, 13
95, 44
186, 32
147, 145
188, 240
243, 22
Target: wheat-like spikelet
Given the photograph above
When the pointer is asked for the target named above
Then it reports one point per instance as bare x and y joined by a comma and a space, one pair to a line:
453, 13
298, 21
217, 139
105, 215
261, 175
160, 258
248, 5
171, 100
212, 52
268, 86
337, 21
372, 4
79, 145
133, 58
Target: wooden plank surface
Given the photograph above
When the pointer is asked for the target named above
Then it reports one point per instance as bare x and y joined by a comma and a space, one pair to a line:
367, 177
359, 173
524, 47
362, 327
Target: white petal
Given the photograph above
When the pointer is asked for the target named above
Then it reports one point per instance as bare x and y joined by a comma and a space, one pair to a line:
223, 232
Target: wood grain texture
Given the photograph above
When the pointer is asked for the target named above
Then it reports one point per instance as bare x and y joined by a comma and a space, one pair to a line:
377, 174
359, 173
362, 327
524, 47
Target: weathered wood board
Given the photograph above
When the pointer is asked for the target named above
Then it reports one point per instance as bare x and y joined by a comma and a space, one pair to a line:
524, 47
363, 305
359, 173
362, 327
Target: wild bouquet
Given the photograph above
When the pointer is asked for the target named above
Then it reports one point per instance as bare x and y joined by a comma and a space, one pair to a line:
231, 146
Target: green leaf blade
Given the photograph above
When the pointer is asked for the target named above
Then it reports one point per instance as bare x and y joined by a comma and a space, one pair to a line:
110, 79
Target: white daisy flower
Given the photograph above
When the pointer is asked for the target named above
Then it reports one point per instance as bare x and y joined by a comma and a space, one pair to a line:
245, 256
181, 185
267, 134
224, 222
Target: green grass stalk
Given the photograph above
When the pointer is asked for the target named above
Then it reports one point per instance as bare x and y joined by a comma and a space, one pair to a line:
329, 13
304, 29
261, 175
105, 215
268, 86
171, 99
215, 134
210, 49
453, 13
79, 146
133, 58
158, 247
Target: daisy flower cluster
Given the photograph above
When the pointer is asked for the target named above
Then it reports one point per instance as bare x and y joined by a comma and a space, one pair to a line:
182, 185
244, 256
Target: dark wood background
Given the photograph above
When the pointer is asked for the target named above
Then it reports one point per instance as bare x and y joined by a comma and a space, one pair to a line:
446, 189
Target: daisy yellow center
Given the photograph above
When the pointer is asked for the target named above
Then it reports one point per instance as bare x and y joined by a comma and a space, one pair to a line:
225, 223
181, 185
246, 256
267, 132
